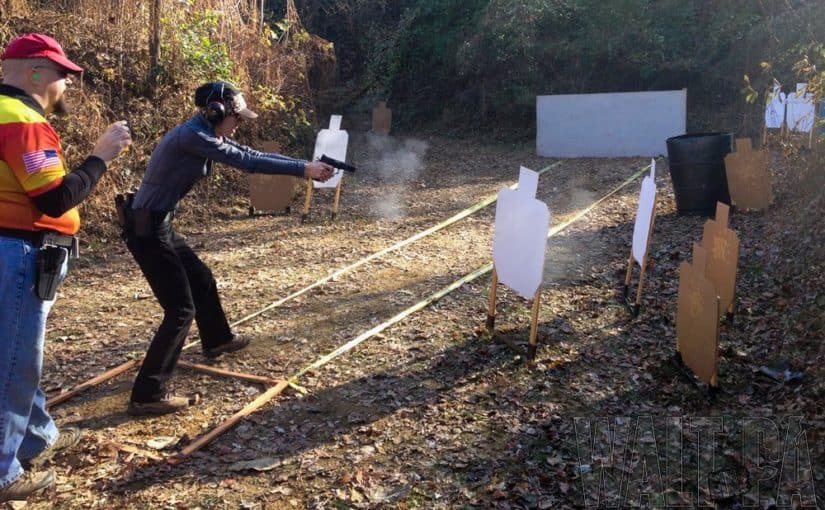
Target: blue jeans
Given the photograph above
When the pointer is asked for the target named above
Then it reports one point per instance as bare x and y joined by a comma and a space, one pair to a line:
26, 428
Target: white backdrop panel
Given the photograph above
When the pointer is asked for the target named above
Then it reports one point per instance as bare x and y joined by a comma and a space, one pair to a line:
609, 125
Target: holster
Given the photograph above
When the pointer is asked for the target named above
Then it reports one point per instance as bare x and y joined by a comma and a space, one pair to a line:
49, 262
139, 222
123, 201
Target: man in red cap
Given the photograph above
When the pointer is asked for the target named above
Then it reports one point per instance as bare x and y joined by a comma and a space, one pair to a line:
38, 220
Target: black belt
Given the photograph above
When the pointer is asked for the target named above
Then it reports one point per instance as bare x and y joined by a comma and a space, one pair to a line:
41, 238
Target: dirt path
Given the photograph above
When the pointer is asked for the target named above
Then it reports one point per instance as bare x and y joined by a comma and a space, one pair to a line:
431, 413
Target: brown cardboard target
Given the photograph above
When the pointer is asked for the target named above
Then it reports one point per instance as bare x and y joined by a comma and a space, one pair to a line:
749, 181
722, 247
697, 319
271, 192
381, 119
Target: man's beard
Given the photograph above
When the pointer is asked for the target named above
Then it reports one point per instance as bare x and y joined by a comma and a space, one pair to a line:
62, 107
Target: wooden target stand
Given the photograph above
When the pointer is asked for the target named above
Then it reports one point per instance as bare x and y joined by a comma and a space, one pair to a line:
534, 315
308, 199
333, 143
642, 232
519, 244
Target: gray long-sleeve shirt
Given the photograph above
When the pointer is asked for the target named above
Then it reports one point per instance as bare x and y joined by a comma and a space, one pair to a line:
186, 154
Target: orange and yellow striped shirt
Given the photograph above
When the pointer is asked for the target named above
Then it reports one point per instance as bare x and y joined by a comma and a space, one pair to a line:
31, 163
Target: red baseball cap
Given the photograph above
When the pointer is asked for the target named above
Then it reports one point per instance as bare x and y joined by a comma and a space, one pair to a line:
39, 46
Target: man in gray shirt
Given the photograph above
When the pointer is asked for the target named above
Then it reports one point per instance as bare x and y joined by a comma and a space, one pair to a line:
182, 283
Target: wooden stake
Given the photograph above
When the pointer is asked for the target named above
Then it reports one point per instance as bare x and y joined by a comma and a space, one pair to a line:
105, 376
645, 260
491, 306
230, 422
227, 373
714, 379
629, 275
337, 197
307, 200
534, 326
813, 128
133, 450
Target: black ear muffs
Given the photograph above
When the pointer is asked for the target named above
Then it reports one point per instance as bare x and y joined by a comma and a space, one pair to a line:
215, 112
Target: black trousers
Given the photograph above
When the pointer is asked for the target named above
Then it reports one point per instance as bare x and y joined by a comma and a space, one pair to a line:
186, 290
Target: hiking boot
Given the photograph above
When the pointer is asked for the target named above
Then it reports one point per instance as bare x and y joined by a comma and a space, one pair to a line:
68, 438
26, 485
236, 344
168, 404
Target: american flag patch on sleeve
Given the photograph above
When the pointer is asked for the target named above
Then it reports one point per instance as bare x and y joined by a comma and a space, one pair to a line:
40, 159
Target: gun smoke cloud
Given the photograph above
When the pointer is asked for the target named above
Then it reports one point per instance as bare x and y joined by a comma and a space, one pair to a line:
398, 163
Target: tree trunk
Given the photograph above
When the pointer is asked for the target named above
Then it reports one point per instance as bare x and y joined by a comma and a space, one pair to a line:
154, 41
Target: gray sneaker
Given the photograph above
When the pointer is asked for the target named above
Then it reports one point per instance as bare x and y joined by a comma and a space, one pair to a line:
68, 438
168, 404
26, 485
236, 344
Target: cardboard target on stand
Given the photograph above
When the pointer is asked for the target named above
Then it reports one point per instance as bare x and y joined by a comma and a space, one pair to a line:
519, 244
333, 143
800, 112
381, 119
697, 319
749, 180
774, 112
722, 247
271, 192
642, 230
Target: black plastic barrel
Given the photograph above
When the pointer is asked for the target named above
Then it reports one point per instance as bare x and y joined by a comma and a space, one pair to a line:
697, 169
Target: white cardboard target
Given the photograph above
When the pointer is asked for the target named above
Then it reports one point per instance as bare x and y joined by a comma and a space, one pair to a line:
775, 108
800, 111
521, 228
332, 142
644, 214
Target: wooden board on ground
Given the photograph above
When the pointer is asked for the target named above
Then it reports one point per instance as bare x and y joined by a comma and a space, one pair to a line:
697, 319
381, 119
749, 180
271, 192
722, 247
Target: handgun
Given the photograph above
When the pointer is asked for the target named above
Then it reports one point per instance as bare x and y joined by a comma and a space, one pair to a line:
337, 164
